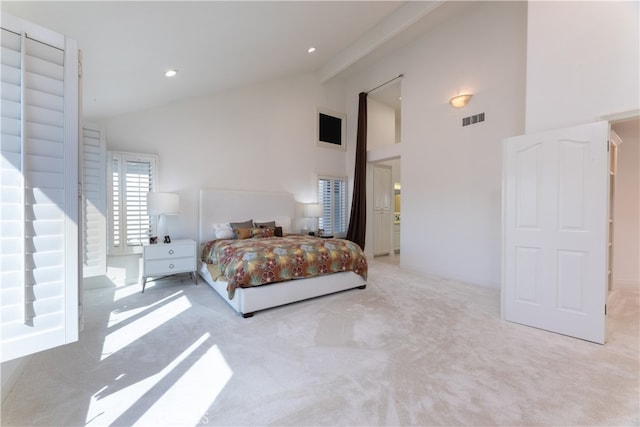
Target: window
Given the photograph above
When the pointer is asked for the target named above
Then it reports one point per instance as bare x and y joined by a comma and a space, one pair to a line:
332, 194
132, 176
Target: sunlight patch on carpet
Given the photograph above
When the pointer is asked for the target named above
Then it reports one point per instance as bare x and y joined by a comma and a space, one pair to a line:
202, 383
122, 314
126, 291
159, 397
125, 335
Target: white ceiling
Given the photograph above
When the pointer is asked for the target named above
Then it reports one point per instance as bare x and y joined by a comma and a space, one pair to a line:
215, 45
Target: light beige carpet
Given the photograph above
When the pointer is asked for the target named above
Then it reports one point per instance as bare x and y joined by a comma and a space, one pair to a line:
408, 350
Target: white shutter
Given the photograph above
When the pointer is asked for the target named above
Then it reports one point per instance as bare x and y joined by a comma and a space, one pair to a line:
131, 178
340, 206
324, 197
39, 172
137, 185
94, 202
114, 193
332, 196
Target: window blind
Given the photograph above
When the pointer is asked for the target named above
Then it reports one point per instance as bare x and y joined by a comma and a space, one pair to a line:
133, 176
115, 202
94, 209
38, 219
137, 185
332, 195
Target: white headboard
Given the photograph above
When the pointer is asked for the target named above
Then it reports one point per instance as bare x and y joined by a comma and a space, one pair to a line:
221, 206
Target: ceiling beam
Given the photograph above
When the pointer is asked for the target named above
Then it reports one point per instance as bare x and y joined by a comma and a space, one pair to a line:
400, 20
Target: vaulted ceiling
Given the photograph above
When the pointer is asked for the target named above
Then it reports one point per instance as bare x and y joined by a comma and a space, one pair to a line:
215, 45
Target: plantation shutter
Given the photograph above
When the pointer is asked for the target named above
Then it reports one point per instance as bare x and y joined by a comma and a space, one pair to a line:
114, 189
339, 206
138, 184
39, 172
332, 195
94, 202
132, 177
324, 197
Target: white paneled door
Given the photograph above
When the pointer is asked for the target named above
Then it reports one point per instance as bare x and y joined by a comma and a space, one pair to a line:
382, 213
555, 222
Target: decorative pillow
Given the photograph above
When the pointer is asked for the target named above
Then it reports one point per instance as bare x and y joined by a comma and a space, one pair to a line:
266, 224
262, 232
245, 224
223, 231
271, 224
237, 225
243, 233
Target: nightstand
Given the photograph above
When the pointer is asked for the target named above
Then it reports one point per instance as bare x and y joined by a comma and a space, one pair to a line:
167, 259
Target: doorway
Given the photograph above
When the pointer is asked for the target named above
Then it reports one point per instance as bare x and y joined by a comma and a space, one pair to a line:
626, 206
552, 280
383, 148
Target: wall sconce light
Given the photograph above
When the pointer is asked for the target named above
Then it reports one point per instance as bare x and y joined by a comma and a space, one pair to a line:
460, 100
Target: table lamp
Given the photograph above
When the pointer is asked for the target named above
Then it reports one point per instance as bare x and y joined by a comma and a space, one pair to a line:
314, 210
160, 205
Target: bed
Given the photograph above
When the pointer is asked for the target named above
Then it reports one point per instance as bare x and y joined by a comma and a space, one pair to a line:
300, 281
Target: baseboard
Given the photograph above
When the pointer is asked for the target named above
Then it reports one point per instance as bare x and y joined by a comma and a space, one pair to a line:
10, 372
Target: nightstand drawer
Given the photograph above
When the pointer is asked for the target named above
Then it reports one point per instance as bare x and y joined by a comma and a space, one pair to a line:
173, 250
167, 259
169, 266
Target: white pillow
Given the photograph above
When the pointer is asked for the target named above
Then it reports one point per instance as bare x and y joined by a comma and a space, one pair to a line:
223, 231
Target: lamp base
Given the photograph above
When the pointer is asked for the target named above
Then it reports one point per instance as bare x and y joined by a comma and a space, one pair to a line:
162, 227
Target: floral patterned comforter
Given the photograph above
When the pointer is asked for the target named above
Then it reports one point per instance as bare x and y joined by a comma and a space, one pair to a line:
258, 261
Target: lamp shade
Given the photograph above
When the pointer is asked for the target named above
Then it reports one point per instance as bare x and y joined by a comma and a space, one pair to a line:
313, 210
163, 203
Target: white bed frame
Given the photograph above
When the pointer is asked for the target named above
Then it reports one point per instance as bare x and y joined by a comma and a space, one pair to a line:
222, 206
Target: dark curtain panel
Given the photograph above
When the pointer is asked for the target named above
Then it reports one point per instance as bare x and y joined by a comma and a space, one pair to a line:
358, 218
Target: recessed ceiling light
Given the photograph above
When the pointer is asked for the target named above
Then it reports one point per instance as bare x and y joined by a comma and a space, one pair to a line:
311, 49
171, 73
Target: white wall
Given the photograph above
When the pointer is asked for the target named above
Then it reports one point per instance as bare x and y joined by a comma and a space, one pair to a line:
451, 176
582, 64
381, 124
582, 61
626, 220
261, 137
398, 127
